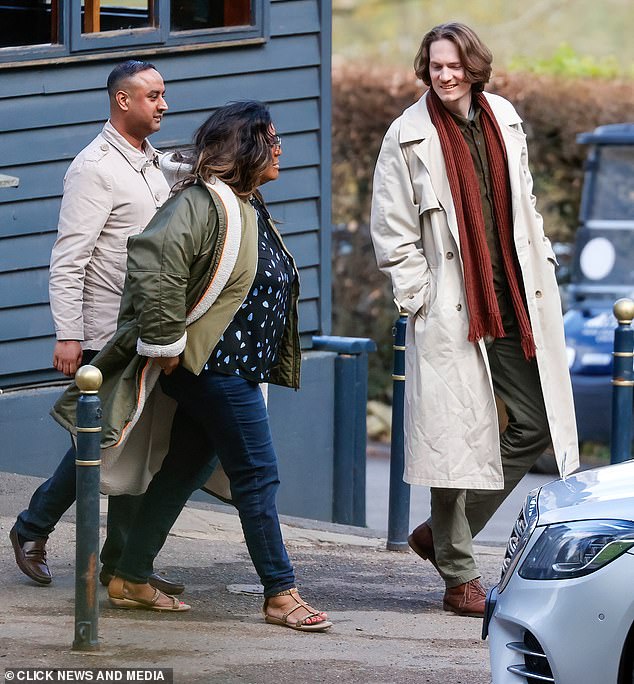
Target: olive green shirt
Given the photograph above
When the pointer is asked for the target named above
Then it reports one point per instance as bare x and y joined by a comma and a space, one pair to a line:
473, 135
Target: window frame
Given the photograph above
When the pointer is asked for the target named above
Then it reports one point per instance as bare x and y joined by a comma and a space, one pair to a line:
73, 45
107, 40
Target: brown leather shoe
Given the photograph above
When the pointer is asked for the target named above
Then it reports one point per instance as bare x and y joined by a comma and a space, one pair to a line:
31, 557
155, 580
466, 599
422, 543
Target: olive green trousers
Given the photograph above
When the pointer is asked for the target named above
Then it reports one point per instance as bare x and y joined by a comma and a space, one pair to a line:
457, 515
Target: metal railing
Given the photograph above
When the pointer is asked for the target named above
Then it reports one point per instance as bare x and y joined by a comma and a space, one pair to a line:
622, 383
87, 462
398, 507
350, 432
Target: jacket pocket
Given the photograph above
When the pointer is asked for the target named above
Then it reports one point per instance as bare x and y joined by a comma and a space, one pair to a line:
430, 297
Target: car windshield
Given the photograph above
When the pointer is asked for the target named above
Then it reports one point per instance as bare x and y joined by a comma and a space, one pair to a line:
605, 241
613, 192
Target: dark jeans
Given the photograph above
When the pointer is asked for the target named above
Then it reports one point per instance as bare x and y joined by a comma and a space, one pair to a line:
228, 416
55, 496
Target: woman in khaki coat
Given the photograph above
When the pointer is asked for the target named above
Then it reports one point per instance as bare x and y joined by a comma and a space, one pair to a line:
451, 425
209, 313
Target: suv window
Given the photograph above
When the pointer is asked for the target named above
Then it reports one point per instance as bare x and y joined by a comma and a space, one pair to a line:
613, 193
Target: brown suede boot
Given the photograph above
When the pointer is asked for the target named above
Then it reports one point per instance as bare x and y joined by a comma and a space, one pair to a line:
421, 542
466, 599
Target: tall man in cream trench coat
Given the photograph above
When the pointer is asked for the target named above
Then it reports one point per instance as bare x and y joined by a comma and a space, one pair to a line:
111, 191
452, 436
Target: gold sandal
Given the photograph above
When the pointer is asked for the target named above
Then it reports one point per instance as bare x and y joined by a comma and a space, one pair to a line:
299, 625
117, 595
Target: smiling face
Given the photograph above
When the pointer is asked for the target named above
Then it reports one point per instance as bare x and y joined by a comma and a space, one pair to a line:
447, 76
141, 100
272, 171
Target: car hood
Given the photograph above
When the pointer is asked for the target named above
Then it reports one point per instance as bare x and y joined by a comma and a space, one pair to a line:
606, 492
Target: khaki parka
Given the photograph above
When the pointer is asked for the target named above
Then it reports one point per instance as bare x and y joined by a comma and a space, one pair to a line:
188, 273
451, 425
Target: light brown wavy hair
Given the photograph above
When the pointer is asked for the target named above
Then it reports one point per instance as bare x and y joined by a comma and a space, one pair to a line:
234, 144
475, 56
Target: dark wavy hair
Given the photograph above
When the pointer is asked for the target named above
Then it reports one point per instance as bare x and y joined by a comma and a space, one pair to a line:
234, 144
475, 56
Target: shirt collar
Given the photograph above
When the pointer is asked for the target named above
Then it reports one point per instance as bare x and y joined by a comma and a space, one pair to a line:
473, 117
136, 158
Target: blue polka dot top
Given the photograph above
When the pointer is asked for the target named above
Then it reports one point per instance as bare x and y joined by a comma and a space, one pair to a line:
249, 345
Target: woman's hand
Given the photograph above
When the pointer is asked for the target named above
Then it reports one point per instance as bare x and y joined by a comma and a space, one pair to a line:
168, 363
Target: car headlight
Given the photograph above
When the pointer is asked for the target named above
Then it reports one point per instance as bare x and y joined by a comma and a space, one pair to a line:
522, 530
575, 549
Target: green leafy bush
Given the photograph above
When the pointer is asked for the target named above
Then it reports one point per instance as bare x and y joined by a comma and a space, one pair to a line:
566, 63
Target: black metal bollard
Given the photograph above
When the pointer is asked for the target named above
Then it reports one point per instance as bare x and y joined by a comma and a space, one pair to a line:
88, 461
622, 383
351, 398
398, 513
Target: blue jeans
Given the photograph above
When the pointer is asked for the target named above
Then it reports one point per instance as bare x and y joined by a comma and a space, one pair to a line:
55, 496
227, 414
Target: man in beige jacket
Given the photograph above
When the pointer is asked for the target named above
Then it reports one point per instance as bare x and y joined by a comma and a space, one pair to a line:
111, 191
454, 225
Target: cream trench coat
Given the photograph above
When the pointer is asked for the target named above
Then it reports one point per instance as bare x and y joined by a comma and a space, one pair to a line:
111, 191
451, 425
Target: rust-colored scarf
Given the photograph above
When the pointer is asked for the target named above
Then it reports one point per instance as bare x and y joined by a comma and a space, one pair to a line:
484, 313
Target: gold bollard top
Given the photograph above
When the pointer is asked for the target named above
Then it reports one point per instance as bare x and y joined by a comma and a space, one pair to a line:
88, 379
624, 310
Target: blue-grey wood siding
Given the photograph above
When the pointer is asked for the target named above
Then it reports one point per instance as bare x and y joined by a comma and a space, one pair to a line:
49, 112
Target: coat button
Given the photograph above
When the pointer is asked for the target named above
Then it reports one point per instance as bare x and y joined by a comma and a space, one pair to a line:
449, 255
538, 293
458, 307
104, 147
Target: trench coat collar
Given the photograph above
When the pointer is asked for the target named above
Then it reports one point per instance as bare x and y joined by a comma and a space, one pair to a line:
137, 159
418, 130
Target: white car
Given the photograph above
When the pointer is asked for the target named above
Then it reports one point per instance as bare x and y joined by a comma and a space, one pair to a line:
563, 611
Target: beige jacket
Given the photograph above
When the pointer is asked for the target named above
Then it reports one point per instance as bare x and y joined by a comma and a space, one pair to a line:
451, 428
111, 191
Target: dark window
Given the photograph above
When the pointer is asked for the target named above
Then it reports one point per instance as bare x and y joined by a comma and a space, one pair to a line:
37, 29
100, 15
192, 15
613, 197
28, 22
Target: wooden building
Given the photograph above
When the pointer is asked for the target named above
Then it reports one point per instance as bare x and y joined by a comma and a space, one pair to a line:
55, 56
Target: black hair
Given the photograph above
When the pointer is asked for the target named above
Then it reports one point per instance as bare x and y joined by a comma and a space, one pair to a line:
234, 144
124, 71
